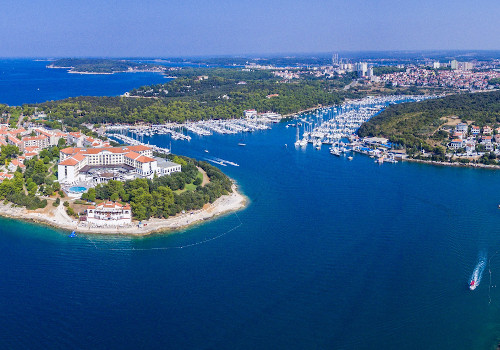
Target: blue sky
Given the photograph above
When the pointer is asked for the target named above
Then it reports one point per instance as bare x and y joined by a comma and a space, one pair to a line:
166, 28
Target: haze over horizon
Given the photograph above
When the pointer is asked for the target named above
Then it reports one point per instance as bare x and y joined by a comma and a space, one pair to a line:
195, 28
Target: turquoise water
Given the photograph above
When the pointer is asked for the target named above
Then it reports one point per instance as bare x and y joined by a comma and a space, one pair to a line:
78, 189
329, 254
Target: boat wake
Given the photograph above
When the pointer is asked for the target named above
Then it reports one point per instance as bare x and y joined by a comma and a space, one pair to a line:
216, 161
475, 279
221, 161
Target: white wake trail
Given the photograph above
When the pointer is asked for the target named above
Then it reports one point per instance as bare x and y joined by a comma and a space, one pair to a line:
475, 278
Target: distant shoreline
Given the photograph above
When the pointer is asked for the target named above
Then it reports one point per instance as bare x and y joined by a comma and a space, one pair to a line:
455, 164
58, 218
72, 71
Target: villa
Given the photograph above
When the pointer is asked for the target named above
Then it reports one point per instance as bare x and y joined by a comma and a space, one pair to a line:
109, 214
475, 130
457, 143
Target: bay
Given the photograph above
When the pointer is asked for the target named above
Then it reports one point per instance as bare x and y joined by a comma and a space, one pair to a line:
329, 254
28, 81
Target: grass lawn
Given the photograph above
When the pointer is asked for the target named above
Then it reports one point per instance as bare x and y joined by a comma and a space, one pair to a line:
190, 187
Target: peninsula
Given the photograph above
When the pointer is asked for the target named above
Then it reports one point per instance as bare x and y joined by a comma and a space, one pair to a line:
59, 218
97, 188
103, 66
460, 129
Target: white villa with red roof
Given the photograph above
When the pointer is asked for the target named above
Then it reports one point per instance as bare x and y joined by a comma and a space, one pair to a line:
137, 159
109, 214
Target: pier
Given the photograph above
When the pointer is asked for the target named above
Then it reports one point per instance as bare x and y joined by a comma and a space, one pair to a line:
131, 141
178, 131
331, 125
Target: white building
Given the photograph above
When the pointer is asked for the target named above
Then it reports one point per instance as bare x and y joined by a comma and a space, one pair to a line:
52, 135
40, 142
462, 127
362, 69
109, 214
138, 159
468, 66
76, 138
457, 144
250, 113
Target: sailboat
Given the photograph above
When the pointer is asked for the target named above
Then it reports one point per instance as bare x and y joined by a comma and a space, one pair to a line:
297, 137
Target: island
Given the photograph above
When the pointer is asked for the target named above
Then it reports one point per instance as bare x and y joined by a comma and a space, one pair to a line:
104, 66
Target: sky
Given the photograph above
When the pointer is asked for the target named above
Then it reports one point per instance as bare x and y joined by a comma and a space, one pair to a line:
152, 28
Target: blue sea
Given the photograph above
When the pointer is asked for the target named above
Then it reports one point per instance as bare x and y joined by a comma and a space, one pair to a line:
28, 81
329, 254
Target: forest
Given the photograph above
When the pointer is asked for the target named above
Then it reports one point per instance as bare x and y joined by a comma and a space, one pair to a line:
95, 65
166, 196
413, 124
223, 94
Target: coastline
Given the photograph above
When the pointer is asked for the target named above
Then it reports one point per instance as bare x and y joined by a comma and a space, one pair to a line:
58, 218
304, 110
71, 70
456, 164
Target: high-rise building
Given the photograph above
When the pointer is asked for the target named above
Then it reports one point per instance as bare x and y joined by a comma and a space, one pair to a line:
436, 65
454, 64
468, 66
362, 69
335, 59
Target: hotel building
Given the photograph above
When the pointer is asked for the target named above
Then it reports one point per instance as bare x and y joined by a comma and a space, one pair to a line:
137, 160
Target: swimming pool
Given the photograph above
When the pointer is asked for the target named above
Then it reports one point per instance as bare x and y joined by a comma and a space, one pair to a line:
78, 189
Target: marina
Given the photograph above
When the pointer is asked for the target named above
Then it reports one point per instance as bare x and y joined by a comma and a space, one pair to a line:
180, 131
131, 141
336, 126
330, 124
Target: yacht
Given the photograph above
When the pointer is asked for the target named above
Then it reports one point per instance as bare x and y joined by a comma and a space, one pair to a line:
335, 151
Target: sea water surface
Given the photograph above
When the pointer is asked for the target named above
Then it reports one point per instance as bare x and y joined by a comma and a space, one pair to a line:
329, 254
28, 81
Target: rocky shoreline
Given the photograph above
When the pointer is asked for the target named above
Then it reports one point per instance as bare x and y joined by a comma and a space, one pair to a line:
58, 218
456, 164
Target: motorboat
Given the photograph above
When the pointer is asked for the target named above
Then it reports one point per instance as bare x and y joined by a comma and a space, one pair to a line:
472, 284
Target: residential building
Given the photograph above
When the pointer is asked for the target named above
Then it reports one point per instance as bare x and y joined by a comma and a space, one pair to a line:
76, 138
457, 143
462, 127
362, 69
14, 163
41, 141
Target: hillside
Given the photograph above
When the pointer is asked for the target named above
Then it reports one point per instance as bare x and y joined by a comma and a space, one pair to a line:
418, 124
